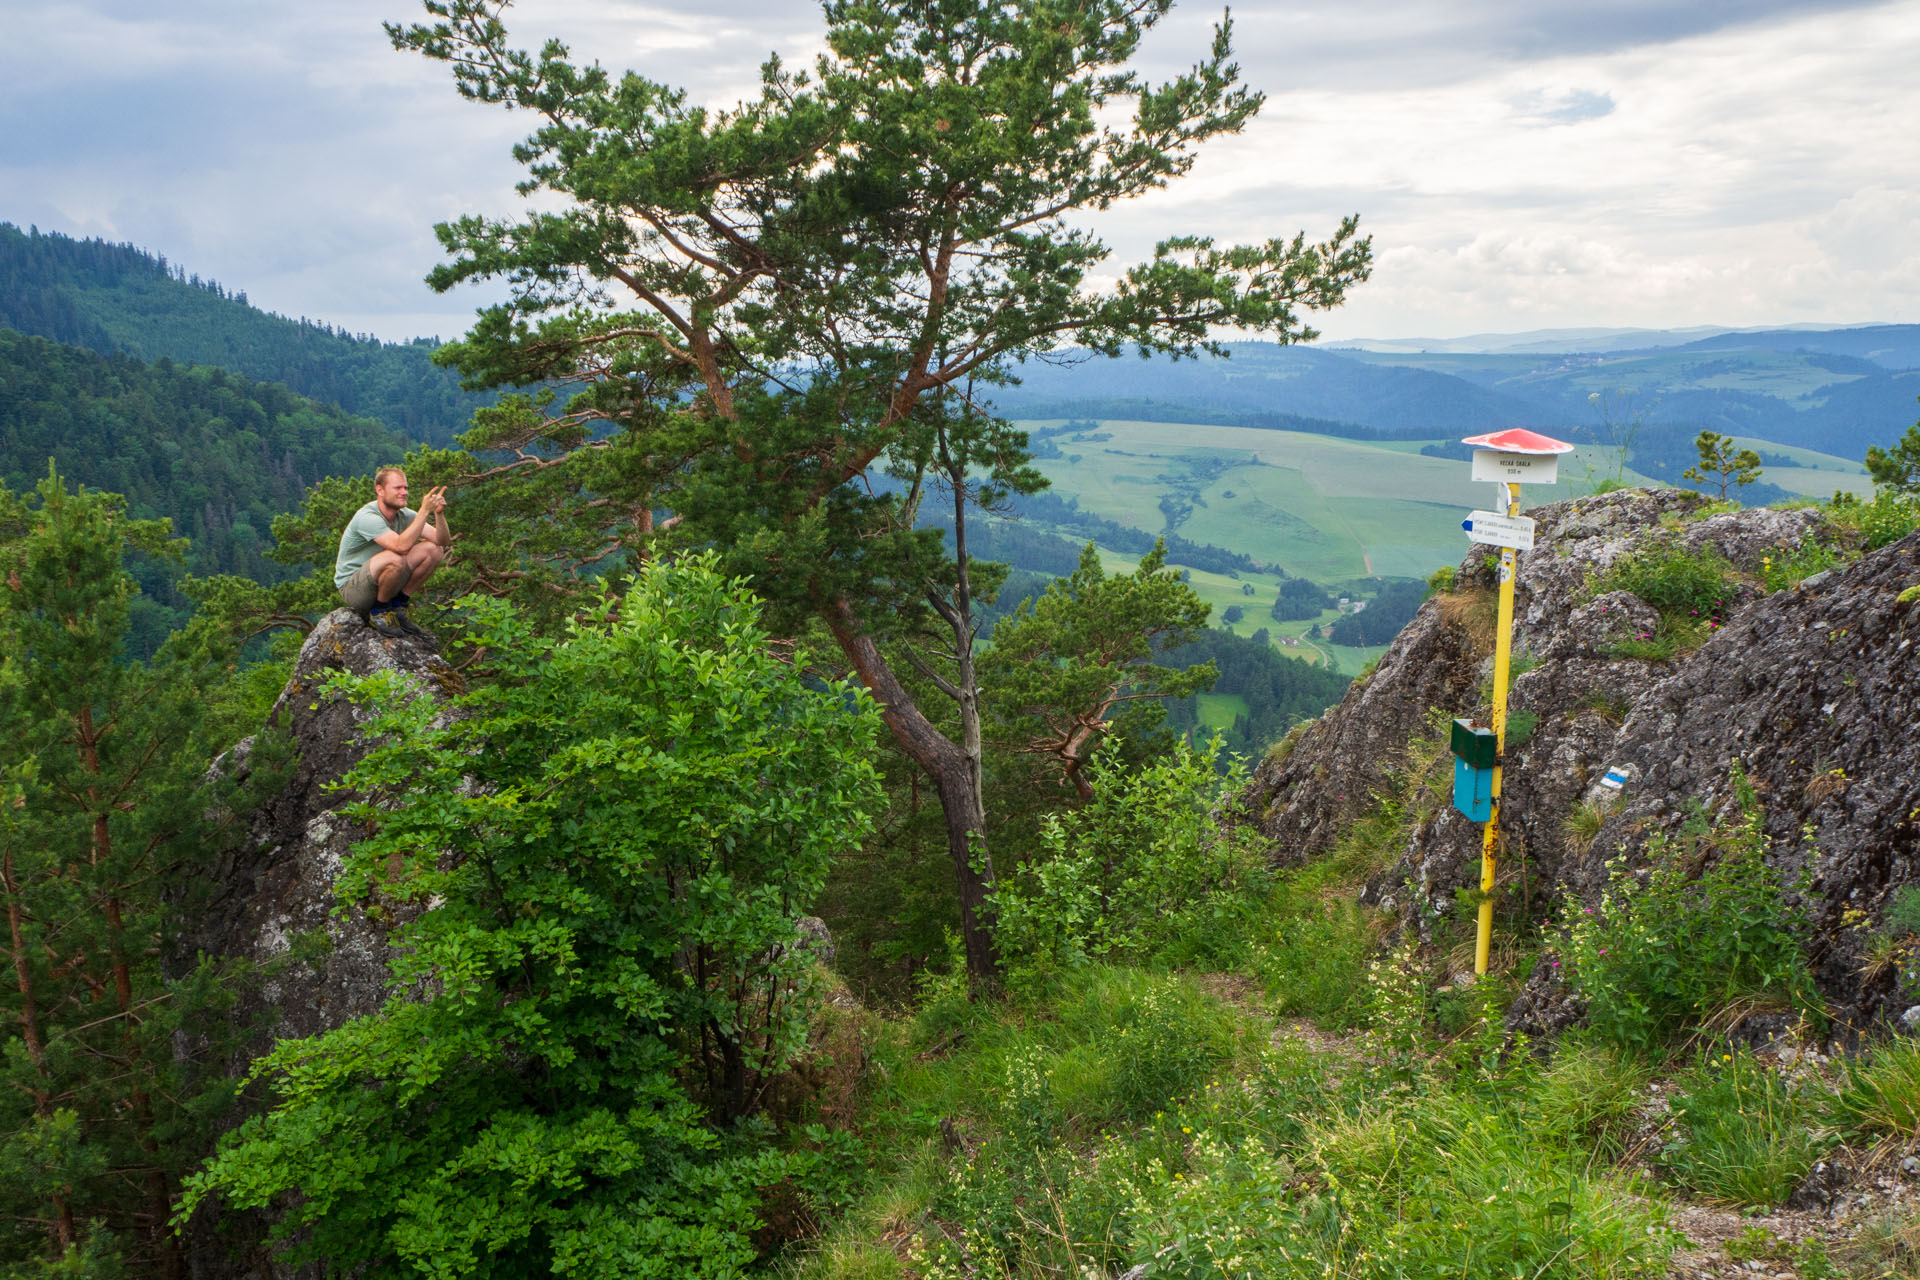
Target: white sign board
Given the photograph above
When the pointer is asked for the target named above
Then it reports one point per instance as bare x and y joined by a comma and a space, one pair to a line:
1500, 531
1515, 468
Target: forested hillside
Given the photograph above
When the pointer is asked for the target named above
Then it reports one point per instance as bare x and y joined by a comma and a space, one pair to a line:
219, 454
117, 299
1265, 691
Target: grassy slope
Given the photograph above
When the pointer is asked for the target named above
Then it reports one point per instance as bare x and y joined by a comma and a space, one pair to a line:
1319, 507
1325, 1109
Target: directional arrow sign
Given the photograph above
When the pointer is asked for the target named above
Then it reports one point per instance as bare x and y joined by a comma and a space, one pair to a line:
1500, 531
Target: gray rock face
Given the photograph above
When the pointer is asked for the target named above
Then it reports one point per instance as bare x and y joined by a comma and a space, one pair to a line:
1815, 690
275, 902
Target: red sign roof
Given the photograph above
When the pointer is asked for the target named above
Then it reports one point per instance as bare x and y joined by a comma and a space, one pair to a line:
1518, 440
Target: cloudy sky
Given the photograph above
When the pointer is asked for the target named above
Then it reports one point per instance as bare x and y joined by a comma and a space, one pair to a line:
1521, 164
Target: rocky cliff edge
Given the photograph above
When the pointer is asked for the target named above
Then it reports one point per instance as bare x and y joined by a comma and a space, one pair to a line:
1813, 689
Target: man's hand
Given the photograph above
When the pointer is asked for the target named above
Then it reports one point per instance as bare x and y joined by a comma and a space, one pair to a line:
435, 501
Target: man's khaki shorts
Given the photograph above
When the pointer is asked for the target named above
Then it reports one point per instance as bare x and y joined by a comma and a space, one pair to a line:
360, 592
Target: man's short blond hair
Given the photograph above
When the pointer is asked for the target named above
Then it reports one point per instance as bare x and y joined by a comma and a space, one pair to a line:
380, 476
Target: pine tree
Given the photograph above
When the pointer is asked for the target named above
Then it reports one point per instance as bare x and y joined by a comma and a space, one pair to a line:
787, 316
103, 804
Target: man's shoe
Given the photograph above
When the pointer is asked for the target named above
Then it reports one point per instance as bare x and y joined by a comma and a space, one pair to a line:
400, 619
380, 622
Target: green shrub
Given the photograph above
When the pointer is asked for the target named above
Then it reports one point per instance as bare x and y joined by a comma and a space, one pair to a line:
1787, 569
1679, 583
1744, 1135
1887, 519
604, 854
1144, 871
1656, 959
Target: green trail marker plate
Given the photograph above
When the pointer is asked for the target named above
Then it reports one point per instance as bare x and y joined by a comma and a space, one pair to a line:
1475, 745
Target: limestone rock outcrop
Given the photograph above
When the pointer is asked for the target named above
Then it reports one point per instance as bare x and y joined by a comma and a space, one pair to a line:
274, 903
1813, 690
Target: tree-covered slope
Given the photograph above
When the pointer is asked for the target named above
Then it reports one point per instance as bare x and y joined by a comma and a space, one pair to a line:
116, 299
219, 453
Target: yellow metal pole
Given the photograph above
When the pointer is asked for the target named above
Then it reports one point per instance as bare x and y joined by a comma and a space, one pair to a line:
1502, 659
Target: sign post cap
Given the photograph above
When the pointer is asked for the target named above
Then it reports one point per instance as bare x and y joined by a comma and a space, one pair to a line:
1518, 440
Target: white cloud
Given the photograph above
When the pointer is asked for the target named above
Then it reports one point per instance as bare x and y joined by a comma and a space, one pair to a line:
1599, 162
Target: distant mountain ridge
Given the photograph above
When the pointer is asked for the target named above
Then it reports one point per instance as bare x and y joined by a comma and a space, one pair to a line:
116, 299
1837, 391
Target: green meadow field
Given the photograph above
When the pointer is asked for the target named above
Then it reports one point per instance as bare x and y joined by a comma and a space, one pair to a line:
1817, 475
1337, 511
1317, 506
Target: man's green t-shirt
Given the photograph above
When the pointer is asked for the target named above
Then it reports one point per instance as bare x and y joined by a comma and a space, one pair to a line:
357, 544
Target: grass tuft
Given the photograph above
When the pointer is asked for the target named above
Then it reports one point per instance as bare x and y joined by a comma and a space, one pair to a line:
1744, 1135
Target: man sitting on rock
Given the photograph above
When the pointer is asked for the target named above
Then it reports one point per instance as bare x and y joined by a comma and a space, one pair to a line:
389, 550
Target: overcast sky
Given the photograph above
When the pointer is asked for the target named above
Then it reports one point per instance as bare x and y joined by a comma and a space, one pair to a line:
1521, 164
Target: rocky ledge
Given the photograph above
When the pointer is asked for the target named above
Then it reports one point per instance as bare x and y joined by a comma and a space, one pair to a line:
1814, 690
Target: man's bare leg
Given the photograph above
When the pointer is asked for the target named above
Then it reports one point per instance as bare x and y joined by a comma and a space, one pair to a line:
413, 571
420, 564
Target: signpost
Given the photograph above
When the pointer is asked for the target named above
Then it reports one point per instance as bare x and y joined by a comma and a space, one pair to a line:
1500, 531
1508, 459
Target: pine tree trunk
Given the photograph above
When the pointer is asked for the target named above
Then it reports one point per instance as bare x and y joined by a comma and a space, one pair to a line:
31, 1035
159, 1193
956, 780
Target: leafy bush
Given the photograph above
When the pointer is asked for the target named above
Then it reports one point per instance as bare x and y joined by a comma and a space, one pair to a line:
1143, 871
1657, 958
1679, 583
606, 851
1887, 519
1744, 1136
1778, 572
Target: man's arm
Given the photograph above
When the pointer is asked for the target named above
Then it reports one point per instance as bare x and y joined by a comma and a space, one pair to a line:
402, 542
438, 531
